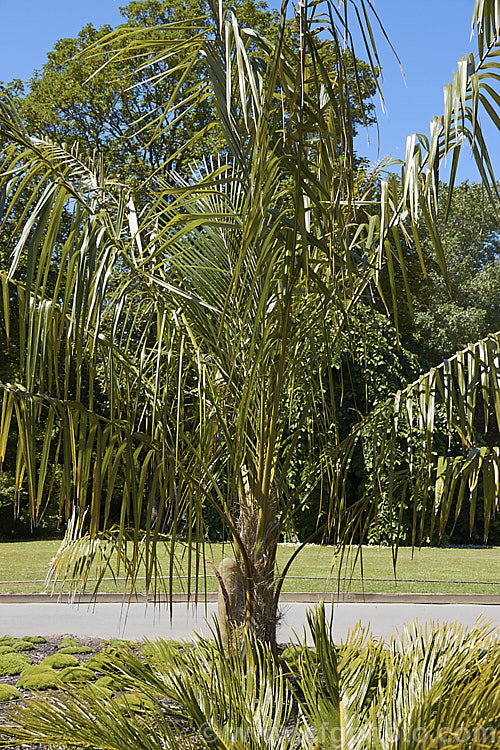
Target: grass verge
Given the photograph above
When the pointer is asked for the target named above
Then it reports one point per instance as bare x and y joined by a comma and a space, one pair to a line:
23, 566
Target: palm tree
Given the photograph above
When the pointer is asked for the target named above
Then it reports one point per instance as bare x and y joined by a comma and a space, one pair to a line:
164, 343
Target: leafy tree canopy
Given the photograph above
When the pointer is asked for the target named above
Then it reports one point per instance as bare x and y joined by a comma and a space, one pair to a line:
118, 109
446, 321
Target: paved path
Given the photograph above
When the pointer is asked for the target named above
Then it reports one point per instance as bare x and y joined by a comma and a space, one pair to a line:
108, 619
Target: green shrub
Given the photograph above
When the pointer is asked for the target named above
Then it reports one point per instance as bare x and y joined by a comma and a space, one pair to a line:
22, 645
8, 693
101, 659
35, 669
155, 649
39, 678
292, 654
76, 674
60, 661
69, 641
95, 663
13, 663
77, 650
34, 638
120, 643
7, 640
8, 644
444, 679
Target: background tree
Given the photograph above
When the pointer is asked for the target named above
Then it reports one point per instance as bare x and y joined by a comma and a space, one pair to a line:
446, 316
115, 103
447, 319
367, 366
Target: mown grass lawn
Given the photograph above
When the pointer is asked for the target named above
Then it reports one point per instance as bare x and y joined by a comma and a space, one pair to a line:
23, 566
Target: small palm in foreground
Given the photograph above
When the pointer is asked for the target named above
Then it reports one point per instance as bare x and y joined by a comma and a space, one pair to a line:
432, 687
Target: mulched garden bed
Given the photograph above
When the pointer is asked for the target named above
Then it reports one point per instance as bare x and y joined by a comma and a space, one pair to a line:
40, 651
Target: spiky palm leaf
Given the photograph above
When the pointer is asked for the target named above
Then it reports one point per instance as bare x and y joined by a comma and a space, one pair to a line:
431, 686
200, 696
464, 393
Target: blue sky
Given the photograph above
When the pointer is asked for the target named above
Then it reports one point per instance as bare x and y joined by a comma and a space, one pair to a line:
429, 36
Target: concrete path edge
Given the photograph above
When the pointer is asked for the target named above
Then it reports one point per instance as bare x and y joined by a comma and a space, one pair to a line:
300, 597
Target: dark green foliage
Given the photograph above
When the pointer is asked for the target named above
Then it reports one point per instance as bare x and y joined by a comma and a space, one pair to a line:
15, 521
367, 367
457, 529
448, 318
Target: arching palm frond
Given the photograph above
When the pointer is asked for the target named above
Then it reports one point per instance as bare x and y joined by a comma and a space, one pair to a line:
408, 456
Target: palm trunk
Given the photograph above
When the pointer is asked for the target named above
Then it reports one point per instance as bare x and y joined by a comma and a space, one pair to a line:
259, 539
